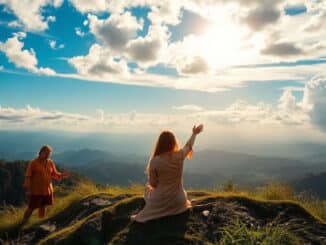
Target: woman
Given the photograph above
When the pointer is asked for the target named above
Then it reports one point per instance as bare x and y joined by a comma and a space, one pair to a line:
38, 183
164, 193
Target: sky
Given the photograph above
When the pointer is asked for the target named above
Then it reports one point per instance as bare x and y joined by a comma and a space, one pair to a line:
248, 70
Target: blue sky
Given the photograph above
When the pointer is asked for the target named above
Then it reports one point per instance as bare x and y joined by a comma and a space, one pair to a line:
143, 65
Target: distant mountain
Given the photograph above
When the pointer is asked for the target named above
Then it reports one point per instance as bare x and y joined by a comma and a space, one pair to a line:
81, 157
313, 183
246, 168
207, 168
91, 156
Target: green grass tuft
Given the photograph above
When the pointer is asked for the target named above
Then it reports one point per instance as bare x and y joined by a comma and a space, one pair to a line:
270, 234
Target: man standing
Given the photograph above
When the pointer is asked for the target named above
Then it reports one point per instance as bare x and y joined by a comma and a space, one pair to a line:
38, 183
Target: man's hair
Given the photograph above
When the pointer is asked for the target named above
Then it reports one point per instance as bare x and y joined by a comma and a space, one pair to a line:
45, 147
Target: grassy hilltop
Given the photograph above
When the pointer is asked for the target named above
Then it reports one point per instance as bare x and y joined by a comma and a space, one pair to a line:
89, 214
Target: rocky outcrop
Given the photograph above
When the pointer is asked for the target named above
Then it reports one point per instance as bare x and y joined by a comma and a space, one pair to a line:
105, 219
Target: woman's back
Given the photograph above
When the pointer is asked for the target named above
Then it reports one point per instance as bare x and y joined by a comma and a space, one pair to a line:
164, 193
168, 169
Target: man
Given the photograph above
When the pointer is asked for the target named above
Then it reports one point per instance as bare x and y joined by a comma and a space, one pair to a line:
38, 183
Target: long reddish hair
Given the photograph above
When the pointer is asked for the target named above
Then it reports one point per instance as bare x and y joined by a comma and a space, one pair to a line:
166, 142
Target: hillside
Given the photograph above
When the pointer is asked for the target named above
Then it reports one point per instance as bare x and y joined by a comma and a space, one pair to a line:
104, 219
314, 183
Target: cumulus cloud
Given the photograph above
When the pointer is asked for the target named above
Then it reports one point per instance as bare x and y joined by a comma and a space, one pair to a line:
116, 30
193, 65
23, 58
30, 12
314, 100
90, 6
148, 50
310, 111
99, 62
317, 11
166, 12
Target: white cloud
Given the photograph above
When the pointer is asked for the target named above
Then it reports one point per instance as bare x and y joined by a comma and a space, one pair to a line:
85, 6
79, 32
290, 114
188, 108
23, 58
15, 24
193, 65
148, 50
99, 63
57, 3
51, 19
30, 12
205, 63
116, 30
53, 45
166, 12
314, 100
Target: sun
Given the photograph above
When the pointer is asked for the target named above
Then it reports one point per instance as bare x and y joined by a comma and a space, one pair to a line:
225, 43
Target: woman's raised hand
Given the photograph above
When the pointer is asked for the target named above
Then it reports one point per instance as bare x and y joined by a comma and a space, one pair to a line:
197, 129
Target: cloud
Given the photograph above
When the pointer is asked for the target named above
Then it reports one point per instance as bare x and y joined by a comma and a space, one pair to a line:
51, 19
307, 114
116, 30
53, 45
79, 32
148, 50
15, 24
317, 11
188, 108
35, 117
193, 65
262, 16
23, 58
99, 63
30, 12
314, 101
165, 12
284, 49
90, 6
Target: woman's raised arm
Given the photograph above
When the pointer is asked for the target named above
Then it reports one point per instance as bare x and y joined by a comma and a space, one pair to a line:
188, 146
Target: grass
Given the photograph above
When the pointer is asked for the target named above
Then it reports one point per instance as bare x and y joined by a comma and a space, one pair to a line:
270, 234
273, 192
66, 232
283, 191
11, 216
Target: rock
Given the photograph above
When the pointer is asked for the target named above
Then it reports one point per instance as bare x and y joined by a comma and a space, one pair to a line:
43, 230
205, 213
204, 223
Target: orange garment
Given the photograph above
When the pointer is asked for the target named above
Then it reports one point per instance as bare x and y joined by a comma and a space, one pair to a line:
38, 177
164, 194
